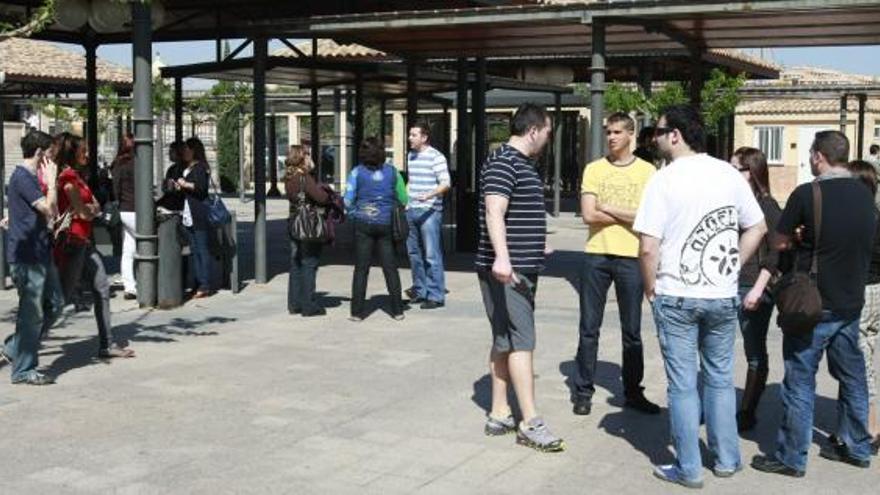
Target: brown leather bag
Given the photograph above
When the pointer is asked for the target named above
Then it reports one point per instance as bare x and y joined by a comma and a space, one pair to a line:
797, 293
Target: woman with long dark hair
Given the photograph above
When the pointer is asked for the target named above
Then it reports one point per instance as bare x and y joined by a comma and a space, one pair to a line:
754, 277
75, 253
194, 184
123, 191
304, 255
369, 198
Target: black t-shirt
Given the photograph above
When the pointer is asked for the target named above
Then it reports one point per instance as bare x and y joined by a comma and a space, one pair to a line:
848, 222
509, 173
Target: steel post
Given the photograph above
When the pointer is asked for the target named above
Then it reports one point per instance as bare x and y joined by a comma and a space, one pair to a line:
146, 257
597, 92
479, 107
412, 106
860, 131
259, 153
2, 197
315, 131
273, 158
646, 79
843, 113
92, 110
178, 109
557, 153
359, 111
242, 180
465, 194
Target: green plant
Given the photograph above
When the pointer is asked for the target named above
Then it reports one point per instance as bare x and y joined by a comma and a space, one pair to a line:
720, 95
40, 18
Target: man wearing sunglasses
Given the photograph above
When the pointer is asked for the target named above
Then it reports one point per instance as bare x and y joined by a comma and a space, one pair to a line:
691, 250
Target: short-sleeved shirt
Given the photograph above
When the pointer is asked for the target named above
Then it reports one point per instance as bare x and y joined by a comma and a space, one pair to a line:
509, 173
847, 232
28, 238
427, 170
620, 186
79, 228
697, 206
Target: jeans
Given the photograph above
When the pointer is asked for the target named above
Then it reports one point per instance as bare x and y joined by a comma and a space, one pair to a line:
304, 259
688, 328
596, 274
126, 265
201, 258
802, 354
366, 236
40, 302
754, 326
83, 263
426, 253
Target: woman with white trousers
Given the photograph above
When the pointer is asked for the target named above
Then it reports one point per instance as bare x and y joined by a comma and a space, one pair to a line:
123, 191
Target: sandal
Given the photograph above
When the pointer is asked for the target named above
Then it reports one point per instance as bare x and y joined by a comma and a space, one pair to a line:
116, 352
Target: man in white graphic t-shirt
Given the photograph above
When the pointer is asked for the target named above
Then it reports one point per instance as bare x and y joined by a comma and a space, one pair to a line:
691, 250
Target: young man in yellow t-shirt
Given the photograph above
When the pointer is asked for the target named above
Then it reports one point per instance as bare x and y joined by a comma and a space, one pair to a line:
610, 193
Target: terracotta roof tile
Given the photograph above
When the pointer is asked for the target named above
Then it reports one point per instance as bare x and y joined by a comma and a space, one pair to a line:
329, 48
791, 105
42, 61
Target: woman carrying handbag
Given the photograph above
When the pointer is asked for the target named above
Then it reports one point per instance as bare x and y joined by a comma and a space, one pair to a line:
307, 239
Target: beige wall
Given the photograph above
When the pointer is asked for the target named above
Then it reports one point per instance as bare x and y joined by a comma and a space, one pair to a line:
784, 177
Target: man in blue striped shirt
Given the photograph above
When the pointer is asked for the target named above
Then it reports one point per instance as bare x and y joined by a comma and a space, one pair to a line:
428, 182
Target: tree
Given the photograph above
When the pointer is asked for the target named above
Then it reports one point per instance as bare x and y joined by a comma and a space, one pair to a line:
720, 97
40, 18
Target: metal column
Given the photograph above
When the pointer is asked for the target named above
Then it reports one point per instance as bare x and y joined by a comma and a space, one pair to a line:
92, 110
557, 153
273, 158
147, 250
696, 87
465, 234
479, 107
843, 114
178, 109
359, 111
597, 92
242, 183
646, 78
259, 153
412, 107
315, 131
860, 131
2, 198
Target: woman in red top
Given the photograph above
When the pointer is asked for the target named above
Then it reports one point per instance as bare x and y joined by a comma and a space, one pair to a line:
75, 253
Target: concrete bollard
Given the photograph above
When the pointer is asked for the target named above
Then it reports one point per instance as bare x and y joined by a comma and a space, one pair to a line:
170, 289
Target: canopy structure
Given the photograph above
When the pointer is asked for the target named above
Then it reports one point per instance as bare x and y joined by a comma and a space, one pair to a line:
476, 38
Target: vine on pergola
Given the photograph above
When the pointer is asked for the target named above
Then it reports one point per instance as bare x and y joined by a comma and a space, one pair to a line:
40, 18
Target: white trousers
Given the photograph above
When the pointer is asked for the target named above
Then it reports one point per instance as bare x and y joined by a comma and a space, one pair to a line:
128, 250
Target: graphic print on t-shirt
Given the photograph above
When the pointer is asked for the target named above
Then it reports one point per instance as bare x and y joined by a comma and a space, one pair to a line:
710, 255
620, 190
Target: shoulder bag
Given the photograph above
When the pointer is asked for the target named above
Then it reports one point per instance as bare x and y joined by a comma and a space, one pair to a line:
306, 223
797, 293
218, 215
399, 225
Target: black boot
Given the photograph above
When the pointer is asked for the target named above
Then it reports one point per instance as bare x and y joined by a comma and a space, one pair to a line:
756, 380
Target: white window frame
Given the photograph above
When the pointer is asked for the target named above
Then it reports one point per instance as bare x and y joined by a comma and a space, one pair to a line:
876, 132
773, 148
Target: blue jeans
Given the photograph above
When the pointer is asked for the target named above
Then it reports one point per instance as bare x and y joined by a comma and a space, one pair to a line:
596, 274
754, 326
802, 355
201, 258
426, 253
688, 328
304, 260
40, 302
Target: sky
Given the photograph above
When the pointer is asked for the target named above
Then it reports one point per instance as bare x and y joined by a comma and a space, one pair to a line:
851, 59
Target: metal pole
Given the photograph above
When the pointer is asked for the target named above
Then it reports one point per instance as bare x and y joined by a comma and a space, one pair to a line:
349, 125
2, 197
315, 130
242, 186
646, 77
446, 130
178, 109
696, 77
557, 153
597, 92
465, 200
860, 132
259, 132
359, 111
146, 256
479, 103
159, 155
843, 114
412, 107
92, 110
273, 157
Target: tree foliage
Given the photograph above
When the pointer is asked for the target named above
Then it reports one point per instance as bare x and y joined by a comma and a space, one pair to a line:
40, 18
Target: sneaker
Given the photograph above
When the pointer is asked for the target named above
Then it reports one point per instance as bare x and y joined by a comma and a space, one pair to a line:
128, 296
316, 312
726, 473
5, 357
840, 453
398, 317
432, 305
34, 378
767, 464
875, 445
496, 427
642, 404
355, 318
536, 435
411, 294
582, 407
670, 473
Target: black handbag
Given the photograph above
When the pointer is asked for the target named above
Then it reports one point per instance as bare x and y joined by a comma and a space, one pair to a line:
399, 225
797, 293
307, 222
